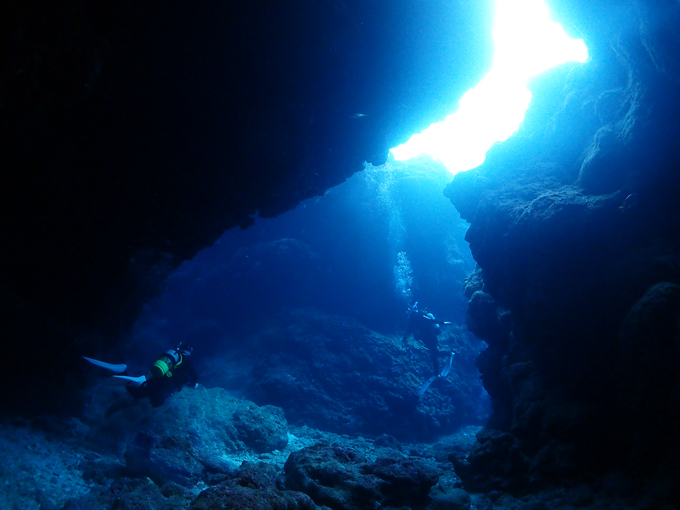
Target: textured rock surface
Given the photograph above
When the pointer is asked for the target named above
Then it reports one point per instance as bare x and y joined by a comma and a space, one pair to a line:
343, 479
331, 373
574, 224
50, 466
253, 487
453, 499
54, 464
192, 435
134, 493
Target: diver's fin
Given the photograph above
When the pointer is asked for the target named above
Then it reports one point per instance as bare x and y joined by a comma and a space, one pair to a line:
447, 368
137, 380
425, 386
117, 369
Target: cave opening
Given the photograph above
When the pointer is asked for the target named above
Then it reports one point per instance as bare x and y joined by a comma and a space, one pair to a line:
527, 43
344, 267
363, 253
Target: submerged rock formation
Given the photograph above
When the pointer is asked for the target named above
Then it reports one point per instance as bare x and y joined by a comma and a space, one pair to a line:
334, 374
339, 477
574, 223
191, 436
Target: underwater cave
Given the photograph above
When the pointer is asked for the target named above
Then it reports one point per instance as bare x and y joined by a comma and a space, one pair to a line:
213, 206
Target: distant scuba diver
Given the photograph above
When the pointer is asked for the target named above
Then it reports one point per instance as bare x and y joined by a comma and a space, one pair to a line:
630, 204
170, 373
425, 328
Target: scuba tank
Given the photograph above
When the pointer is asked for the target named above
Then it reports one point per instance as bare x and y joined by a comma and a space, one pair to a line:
164, 365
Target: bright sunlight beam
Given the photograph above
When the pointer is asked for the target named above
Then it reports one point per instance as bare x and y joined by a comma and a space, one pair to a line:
527, 43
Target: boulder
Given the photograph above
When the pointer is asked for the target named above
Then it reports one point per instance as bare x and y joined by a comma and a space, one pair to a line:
452, 499
196, 433
253, 487
133, 493
341, 478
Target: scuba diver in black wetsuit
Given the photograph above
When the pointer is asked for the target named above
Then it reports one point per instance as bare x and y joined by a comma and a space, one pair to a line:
170, 373
426, 329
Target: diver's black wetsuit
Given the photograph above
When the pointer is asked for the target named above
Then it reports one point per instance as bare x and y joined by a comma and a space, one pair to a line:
426, 329
159, 389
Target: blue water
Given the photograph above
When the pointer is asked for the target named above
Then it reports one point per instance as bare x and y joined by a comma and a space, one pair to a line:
357, 257
346, 253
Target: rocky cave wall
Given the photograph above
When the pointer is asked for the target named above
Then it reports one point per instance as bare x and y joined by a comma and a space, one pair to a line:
574, 223
133, 134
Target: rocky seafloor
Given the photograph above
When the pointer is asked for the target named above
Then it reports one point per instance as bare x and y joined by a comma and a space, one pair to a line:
209, 449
